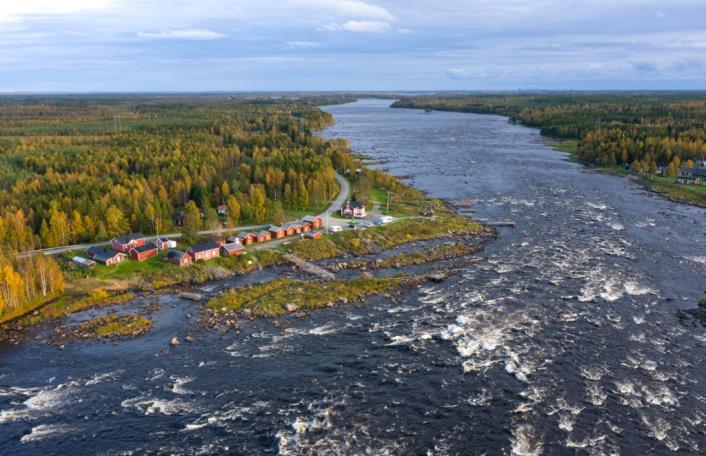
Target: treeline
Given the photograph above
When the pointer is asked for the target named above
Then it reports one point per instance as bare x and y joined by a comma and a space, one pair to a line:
79, 169
26, 282
646, 130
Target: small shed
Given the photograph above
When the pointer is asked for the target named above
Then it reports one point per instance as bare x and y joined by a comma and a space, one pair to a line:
144, 252
312, 235
109, 257
246, 238
232, 249
83, 262
179, 258
289, 229
315, 221
277, 232
164, 243
263, 236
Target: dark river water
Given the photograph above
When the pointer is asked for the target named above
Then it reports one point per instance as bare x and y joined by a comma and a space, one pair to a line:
566, 340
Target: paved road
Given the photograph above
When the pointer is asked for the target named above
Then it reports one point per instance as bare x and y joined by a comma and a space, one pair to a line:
332, 209
68, 248
340, 199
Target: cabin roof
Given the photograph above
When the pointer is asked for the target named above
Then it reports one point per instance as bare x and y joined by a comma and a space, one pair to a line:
83, 261
145, 248
204, 246
176, 255
125, 239
94, 250
106, 255
356, 205
232, 247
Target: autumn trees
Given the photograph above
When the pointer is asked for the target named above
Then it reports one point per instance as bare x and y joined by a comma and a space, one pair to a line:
27, 280
66, 177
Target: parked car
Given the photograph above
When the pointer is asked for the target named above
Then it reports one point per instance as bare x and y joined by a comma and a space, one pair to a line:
336, 228
385, 219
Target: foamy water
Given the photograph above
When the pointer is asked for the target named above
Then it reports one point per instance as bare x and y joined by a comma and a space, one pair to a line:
566, 340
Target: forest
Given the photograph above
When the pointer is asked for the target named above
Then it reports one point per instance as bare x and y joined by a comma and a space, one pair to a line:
79, 169
642, 130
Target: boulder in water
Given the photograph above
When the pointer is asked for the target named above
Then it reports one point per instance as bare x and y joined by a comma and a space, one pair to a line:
438, 277
174, 342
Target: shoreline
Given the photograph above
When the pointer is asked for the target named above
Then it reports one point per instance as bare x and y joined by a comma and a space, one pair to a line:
146, 286
556, 144
56, 331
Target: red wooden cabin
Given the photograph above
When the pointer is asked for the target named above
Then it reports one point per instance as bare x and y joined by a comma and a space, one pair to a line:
144, 252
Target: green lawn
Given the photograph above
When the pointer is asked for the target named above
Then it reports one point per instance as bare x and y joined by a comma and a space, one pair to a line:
378, 194
694, 194
570, 145
131, 267
124, 270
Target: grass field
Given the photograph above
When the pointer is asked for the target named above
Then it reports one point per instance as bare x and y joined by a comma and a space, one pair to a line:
694, 194
570, 146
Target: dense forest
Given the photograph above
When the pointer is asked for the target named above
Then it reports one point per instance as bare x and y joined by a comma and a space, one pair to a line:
80, 169
644, 130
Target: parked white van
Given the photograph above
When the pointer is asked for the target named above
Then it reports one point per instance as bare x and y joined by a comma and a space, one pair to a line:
385, 219
336, 228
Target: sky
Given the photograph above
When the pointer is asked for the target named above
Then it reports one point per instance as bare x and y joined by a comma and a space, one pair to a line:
317, 45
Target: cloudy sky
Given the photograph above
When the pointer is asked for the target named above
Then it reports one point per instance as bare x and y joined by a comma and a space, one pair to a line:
234, 45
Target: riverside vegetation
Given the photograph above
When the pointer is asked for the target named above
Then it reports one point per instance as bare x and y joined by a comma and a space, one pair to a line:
645, 131
83, 169
72, 157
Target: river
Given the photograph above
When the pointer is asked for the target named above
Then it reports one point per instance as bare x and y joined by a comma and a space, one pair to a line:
566, 339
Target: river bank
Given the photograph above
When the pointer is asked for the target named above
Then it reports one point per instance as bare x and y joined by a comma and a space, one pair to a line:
694, 195
89, 291
566, 338
372, 247
562, 135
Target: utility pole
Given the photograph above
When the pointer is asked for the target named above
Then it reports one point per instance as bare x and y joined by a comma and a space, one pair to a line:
387, 211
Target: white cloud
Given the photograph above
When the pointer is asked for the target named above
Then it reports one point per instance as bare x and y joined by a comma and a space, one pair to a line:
301, 44
348, 8
188, 34
359, 26
12, 10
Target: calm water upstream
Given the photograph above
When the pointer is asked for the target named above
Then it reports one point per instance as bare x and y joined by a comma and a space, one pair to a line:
566, 340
